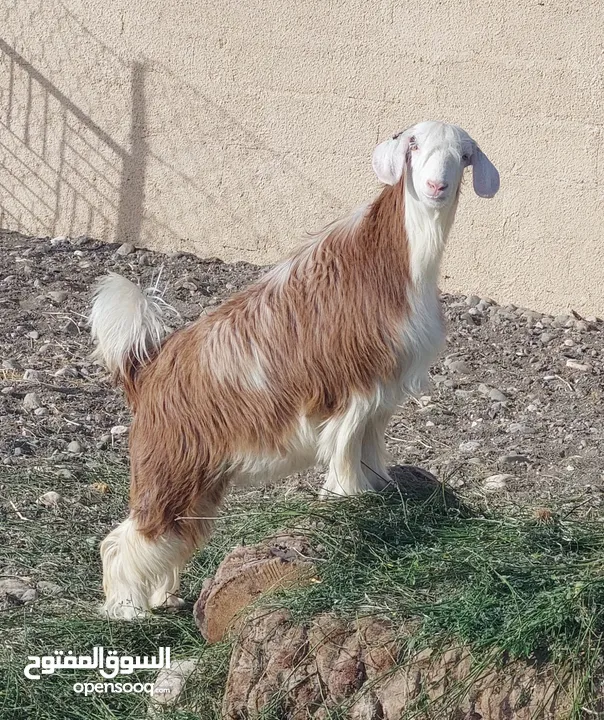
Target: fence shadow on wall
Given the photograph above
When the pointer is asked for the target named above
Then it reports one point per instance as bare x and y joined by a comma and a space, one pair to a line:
60, 170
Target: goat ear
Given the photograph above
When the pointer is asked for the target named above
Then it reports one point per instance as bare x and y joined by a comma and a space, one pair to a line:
484, 174
389, 158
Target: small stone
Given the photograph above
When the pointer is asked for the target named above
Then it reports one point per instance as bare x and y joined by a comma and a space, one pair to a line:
50, 499
74, 447
70, 327
125, 249
104, 440
119, 429
459, 366
513, 459
17, 591
64, 473
29, 596
57, 296
11, 365
32, 334
68, 371
170, 682
582, 326
60, 240
516, 428
569, 342
496, 483
46, 587
492, 393
41, 411
497, 396
456, 483
560, 321
469, 446
472, 300
546, 338
30, 374
573, 365
31, 401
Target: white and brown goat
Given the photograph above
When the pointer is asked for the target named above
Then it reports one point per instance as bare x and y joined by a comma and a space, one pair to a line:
304, 367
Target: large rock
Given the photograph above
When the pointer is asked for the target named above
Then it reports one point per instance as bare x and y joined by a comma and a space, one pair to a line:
245, 575
367, 670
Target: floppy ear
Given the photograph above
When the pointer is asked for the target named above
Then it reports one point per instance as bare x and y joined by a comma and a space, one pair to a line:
389, 158
484, 174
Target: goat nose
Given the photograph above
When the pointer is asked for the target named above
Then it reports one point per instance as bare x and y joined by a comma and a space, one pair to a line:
437, 187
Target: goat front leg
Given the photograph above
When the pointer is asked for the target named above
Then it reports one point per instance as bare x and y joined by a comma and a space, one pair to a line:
341, 440
374, 455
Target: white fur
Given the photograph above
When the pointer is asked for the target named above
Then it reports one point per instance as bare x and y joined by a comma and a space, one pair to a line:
437, 153
344, 441
259, 468
124, 322
139, 574
233, 362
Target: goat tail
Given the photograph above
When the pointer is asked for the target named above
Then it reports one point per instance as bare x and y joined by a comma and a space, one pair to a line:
126, 325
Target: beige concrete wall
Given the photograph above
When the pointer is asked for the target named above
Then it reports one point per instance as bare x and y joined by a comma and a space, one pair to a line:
230, 127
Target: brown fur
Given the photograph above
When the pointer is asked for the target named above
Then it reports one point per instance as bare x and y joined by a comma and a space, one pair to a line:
326, 332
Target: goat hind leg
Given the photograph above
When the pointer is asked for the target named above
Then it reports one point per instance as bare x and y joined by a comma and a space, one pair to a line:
134, 566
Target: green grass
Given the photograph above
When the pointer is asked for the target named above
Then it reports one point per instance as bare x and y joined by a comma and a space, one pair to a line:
509, 585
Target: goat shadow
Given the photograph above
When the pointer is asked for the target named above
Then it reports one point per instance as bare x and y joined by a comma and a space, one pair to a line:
415, 484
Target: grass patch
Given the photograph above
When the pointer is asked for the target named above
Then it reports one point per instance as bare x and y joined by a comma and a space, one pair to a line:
508, 585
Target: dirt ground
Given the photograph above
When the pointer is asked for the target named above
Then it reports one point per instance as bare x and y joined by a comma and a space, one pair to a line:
516, 395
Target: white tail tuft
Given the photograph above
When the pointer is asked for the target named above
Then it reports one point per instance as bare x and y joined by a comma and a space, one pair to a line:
125, 323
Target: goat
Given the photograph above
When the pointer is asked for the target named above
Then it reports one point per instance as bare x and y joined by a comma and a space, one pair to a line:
303, 367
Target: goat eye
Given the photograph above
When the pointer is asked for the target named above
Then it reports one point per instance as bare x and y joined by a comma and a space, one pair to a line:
465, 157
413, 143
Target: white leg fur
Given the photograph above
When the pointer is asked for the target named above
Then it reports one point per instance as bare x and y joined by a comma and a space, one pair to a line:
139, 574
374, 455
341, 440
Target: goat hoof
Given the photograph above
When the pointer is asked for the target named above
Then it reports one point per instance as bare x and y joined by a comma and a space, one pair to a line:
123, 611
